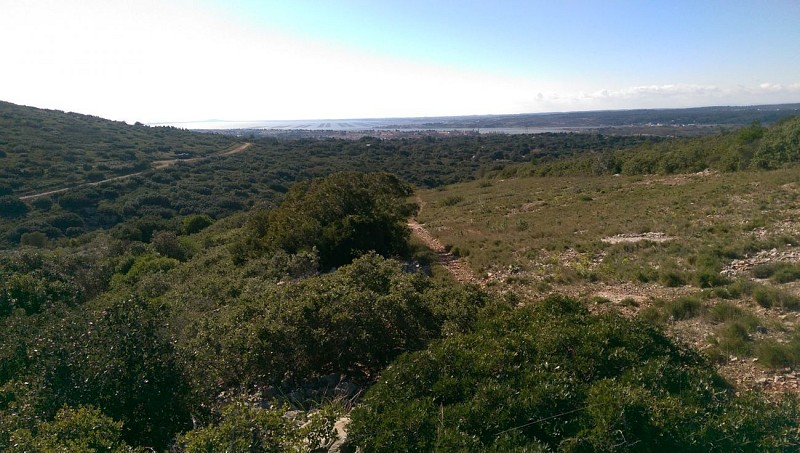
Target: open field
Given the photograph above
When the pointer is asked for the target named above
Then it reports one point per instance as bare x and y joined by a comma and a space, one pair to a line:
712, 257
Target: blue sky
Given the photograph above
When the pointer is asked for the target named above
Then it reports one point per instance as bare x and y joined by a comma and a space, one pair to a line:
181, 60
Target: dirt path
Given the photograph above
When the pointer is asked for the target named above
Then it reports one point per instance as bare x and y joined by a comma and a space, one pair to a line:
455, 265
236, 149
156, 165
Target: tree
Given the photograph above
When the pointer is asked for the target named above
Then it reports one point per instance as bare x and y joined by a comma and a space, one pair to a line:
343, 215
195, 223
12, 207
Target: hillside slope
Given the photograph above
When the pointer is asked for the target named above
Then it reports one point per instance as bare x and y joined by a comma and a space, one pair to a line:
42, 149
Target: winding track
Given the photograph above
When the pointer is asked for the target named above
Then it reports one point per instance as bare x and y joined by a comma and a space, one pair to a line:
454, 264
156, 165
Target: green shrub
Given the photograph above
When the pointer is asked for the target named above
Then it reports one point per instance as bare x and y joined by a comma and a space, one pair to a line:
244, 427
710, 279
778, 272
148, 264
195, 223
353, 321
113, 357
452, 200
739, 288
33, 293
34, 239
728, 311
778, 355
84, 429
769, 297
343, 215
652, 315
166, 243
734, 338
683, 308
709, 264
554, 377
12, 207
671, 278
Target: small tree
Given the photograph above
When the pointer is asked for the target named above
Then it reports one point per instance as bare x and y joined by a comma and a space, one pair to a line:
12, 207
343, 215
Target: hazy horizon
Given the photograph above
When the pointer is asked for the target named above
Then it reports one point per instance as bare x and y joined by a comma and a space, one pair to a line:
176, 61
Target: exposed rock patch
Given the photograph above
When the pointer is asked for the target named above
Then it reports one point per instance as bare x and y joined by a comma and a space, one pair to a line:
651, 236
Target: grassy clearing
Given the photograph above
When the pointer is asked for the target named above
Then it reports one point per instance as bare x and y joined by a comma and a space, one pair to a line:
679, 233
531, 223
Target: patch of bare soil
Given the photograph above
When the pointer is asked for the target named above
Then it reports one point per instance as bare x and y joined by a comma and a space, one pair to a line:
236, 149
652, 237
678, 179
161, 164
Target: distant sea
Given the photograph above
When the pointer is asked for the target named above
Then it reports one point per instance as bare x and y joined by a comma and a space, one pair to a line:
403, 124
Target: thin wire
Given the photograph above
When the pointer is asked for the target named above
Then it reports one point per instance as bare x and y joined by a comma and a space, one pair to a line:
542, 420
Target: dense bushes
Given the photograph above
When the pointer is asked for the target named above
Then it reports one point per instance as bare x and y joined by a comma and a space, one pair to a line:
353, 321
749, 147
554, 377
84, 429
342, 216
244, 427
115, 358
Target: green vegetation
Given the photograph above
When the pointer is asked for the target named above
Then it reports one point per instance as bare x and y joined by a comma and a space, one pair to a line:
554, 377
341, 215
247, 428
48, 149
778, 272
754, 147
247, 301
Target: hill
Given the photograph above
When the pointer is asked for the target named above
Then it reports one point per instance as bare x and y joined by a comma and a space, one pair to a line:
258, 300
151, 185
41, 149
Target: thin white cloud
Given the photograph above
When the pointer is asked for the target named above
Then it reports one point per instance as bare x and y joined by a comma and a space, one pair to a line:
150, 61
670, 95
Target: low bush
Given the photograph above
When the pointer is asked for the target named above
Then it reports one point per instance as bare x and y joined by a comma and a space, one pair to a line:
452, 200
84, 429
769, 297
245, 427
771, 353
778, 272
683, 308
353, 321
728, 311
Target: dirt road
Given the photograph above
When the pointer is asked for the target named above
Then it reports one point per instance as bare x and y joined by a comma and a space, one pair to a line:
156, 165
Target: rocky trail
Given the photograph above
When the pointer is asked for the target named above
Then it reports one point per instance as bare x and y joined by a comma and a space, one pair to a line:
454, 264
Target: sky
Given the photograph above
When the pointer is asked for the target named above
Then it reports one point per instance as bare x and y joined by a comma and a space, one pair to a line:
238, 60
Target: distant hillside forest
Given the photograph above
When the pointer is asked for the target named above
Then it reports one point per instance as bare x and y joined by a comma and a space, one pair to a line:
755, 147
259, 300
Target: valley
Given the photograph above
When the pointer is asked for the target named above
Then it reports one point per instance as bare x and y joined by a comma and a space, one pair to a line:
184, 291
